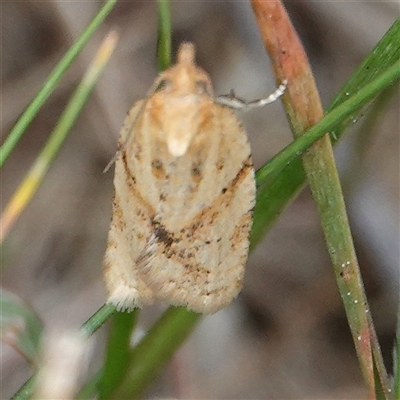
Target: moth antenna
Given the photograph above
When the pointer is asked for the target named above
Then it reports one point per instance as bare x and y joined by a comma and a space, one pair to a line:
236, 103
111, 162
150, 92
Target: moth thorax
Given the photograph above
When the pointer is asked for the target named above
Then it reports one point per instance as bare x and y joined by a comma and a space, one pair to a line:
182, 122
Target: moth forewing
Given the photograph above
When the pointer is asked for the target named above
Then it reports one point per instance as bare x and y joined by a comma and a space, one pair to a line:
184, 193
125, 288
201, 226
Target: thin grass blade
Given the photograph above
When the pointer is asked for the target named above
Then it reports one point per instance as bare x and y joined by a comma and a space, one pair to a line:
29, 114
37, 172
304, 109
164, 35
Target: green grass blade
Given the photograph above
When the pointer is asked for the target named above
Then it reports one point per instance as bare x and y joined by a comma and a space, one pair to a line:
385, 54
303, 110
275, 196
26, 390
164, 35
352, 105
68, 118
117, 354
20, 127
97, 319
66, 121
380, 391
90, 389
282, 177
155, 349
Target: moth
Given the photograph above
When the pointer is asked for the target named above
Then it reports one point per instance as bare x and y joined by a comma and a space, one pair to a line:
184, 195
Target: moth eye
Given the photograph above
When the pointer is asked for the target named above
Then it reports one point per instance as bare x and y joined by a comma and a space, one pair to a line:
164, 84
202, 87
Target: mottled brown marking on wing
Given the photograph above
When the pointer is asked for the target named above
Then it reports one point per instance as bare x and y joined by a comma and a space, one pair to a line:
162, 235
243, 224
126, 289
117, 214
209, 213
169, 245
157, 169
196, 172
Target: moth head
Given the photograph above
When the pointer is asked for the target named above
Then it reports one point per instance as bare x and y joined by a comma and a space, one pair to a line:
185, 77
182, 102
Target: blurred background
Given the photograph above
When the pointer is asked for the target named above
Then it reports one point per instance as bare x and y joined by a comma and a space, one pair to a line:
286, 337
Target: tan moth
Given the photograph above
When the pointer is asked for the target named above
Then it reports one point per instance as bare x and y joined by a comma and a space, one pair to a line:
184, 194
